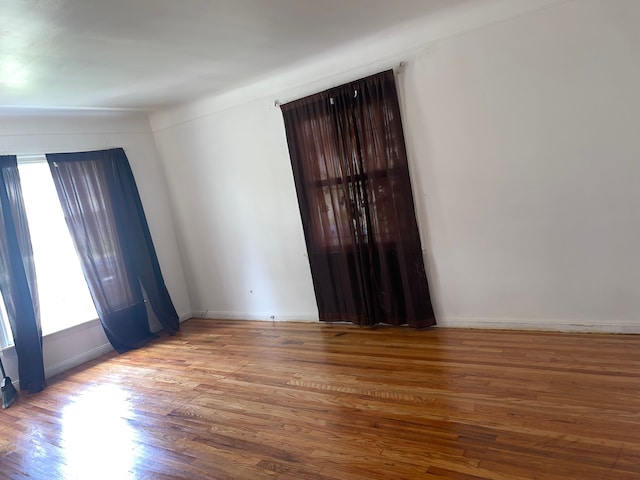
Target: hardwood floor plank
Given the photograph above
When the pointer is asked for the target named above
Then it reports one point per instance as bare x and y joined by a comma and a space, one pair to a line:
276, 401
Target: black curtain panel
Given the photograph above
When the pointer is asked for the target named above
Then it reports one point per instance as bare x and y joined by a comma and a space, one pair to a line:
18, 278
352, 179
104, 213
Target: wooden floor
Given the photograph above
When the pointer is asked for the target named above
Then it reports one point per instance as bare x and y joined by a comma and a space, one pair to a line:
257, 400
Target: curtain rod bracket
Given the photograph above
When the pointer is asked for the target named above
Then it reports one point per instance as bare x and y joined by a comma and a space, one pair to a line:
397, 70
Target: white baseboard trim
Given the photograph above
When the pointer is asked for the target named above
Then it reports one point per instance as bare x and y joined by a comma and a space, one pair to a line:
556, 325
212, 314
68, 363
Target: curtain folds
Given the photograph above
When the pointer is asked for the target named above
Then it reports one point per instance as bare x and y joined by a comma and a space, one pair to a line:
352, 180
18, 278
104, 213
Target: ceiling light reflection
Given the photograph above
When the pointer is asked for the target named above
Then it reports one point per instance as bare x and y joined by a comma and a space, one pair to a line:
13, 74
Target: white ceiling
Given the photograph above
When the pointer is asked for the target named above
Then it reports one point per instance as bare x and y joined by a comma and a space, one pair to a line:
146, 54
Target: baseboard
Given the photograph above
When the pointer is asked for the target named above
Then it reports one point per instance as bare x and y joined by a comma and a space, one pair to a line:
68, 363
556, 325
618, 326
304, 317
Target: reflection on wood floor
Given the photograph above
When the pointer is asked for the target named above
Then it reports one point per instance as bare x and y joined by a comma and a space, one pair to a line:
259, 400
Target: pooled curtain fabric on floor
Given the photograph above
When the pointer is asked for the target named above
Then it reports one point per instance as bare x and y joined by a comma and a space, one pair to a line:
104, 213
352, 179
18, 278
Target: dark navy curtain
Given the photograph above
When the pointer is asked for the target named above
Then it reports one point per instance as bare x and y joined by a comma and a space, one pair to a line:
104, 213
18, 278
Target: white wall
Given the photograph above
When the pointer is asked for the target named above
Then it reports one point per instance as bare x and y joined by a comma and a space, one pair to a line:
525, 140
521, 123
236, 211
26, 132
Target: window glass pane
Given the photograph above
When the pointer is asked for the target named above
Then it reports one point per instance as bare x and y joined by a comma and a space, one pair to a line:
64, 296
6, 338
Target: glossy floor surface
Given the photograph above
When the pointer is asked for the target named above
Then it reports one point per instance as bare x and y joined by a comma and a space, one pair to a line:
257, 400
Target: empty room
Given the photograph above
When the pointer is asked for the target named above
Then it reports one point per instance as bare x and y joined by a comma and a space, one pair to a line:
320, 239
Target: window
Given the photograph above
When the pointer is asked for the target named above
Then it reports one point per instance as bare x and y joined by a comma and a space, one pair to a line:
64, 296
5, 328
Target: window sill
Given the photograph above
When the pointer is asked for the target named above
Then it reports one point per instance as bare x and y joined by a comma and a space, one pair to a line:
75, 328
61, 333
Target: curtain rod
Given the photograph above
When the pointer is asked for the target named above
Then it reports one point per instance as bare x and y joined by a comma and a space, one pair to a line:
397, 70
